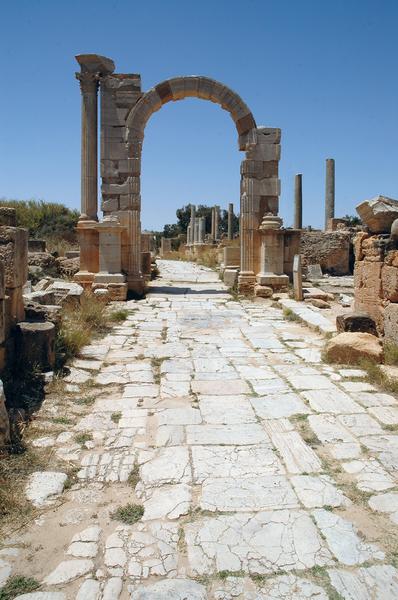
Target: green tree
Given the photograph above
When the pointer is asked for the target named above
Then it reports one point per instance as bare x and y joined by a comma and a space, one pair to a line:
47, 220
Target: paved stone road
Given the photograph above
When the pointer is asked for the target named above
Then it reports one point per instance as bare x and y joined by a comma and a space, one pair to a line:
263, 473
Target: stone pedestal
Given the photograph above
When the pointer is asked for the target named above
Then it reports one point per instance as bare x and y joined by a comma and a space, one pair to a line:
110, 276
87, 235
272, 254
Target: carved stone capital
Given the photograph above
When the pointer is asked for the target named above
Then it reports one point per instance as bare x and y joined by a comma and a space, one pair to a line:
88, 82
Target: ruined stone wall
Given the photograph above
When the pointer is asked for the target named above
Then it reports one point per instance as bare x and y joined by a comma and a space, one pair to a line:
330, 249
376, 281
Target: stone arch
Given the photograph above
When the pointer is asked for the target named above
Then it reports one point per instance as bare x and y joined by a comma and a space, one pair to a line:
179, 88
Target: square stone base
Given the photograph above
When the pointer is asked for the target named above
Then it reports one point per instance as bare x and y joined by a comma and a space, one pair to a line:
272, 280
109, 278
246, 283
116, 291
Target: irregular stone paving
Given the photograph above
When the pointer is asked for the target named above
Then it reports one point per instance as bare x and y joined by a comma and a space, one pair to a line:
263, 472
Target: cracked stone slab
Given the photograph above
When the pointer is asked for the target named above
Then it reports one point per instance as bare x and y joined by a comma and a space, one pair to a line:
387, 503
234, 461
246, 434
220, 387
276, 406
248, 494
169, 501
261, 543
68, 570
109, 466
370, 475
385, 414
144, 390
361, 424
331, 401
44, 486
343, 540
311, 382
319, 491
296, 454
179, 416
226, 410
170, 589
152, 549
369, 399
170, 465
378, 581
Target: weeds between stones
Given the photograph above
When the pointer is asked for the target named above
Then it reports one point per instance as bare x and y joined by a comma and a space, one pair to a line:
116, 416
290, 315
134, 476
128, 514
375, 375
82, 438
17, 585
119, 315
390, 353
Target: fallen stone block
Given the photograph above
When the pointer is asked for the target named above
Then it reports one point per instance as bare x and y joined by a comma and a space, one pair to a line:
318, 303
35, 344
65, 291
378, 213
351, 347
43, 486
356, 322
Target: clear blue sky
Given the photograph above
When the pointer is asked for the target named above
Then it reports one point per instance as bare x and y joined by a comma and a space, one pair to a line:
325, 72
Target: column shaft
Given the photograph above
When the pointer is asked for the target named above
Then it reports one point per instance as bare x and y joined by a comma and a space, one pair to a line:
298, 201
329, 191
89, 150
230, 220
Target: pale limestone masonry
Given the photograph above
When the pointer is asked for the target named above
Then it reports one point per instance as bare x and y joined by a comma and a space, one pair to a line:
125, 110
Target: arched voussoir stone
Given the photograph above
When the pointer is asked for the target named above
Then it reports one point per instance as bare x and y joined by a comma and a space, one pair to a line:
193, 86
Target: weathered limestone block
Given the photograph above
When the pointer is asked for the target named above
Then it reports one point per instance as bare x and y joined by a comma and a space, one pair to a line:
356, 322
35, 344
367, 283
4, 422
350, 348
329, 249
357, 243
14, 254
378, 213
230, 277
373, 249
8, 216
146, 261
116, 292
391, 323
389, 283
231, 256
65, 291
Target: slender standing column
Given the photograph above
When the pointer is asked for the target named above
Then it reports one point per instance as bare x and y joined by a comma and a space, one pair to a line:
230, 220
298, 201
192, 224
213, 222
216, 221
89, 157
202, 229
329, 191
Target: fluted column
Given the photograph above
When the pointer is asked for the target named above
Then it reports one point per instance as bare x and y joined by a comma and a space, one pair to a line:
298, 201
89, 150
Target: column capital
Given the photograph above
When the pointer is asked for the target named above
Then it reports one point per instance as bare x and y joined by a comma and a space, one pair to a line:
88, 81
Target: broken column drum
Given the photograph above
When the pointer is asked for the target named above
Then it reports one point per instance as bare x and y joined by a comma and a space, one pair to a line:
125, 111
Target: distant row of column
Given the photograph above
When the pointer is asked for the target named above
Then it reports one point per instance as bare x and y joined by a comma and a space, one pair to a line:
196, 230
329, 196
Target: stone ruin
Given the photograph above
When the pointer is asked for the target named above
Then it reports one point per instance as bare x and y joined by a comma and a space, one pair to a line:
27, 318
110, 250
376, 266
